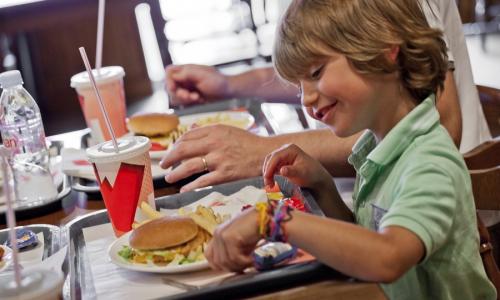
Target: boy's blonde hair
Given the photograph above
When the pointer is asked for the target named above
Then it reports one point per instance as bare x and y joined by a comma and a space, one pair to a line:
363, 31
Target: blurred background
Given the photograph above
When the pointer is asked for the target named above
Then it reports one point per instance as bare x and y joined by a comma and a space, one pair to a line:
41, 38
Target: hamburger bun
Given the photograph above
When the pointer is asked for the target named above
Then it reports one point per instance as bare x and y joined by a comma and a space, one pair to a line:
162, 233
153, 124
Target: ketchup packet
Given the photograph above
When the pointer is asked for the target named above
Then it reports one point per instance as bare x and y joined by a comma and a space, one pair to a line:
24, 238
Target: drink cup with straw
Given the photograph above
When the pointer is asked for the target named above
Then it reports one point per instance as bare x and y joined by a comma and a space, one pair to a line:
110, 82
40, 284
123, 170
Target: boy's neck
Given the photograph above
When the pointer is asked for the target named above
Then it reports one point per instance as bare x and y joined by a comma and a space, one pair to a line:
400, 103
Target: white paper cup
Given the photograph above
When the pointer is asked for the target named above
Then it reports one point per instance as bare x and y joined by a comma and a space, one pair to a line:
124, 178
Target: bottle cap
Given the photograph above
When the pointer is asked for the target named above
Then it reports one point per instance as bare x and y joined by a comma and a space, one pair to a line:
10, 78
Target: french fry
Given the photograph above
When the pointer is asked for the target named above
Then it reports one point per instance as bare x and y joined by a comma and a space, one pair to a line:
218, 218
182, 211
149, 211
139, 224
207, 213
203, 222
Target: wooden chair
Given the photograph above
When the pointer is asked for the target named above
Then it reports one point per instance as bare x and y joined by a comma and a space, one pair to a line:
490, 101
483, 163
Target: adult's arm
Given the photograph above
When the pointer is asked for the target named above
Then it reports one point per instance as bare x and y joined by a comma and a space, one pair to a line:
448, 106
189, 84
262, 83
232, 153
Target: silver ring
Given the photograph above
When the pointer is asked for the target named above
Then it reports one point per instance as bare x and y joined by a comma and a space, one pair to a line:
205, 164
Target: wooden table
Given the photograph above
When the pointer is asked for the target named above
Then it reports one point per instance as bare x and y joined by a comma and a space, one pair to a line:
78, 204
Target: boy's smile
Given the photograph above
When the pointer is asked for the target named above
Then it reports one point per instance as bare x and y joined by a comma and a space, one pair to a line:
325, 112
349, 102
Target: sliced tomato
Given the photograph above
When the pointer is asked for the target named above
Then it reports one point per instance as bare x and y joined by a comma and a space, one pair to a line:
157, 147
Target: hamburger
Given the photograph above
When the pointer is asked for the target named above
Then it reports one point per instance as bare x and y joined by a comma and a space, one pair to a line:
166, 240
162, 129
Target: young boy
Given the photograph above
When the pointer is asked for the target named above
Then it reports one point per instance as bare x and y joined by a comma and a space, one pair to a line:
373, 66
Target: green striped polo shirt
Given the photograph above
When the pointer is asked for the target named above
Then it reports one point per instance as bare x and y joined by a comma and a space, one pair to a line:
416, 178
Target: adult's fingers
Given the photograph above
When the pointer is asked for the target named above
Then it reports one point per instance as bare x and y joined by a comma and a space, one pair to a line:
210, 178
186, 96
187, 168
170, 80
183, 149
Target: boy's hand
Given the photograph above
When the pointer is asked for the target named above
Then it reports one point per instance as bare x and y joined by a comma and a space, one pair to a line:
233, 242
293, 163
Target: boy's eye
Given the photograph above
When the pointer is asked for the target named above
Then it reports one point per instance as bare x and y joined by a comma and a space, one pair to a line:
316, 73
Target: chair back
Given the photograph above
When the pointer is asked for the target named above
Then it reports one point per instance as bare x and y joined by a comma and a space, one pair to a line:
490, 102
483, 163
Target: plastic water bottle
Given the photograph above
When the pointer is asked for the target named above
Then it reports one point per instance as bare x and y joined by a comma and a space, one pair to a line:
23, 134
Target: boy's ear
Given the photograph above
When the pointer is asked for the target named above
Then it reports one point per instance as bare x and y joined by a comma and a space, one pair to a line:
392, 53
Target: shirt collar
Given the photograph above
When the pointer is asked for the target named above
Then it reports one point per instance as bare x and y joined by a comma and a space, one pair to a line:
418, 122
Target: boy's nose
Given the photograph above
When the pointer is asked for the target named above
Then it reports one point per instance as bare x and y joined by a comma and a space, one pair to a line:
308, 94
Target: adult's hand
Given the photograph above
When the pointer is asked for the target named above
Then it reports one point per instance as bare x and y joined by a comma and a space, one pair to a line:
188, 84
230, 153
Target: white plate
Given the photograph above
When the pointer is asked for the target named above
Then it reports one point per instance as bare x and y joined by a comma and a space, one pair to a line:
240, 119
6, 258
121, 262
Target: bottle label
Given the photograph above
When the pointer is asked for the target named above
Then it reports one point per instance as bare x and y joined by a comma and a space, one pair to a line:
23, 139
10, 143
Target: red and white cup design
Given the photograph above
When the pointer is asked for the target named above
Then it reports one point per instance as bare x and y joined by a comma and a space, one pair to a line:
124, 178
109, 81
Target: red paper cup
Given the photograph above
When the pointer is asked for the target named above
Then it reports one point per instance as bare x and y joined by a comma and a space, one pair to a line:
124, 178
109, 81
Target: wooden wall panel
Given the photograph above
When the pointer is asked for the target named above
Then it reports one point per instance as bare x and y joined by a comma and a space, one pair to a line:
55, 29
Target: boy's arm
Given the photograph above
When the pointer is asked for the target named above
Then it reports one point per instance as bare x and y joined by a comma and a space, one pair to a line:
351, 248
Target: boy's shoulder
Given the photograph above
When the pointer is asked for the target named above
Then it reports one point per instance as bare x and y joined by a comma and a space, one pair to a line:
435, 148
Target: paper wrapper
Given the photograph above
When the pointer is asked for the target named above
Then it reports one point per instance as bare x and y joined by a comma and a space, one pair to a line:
124, 186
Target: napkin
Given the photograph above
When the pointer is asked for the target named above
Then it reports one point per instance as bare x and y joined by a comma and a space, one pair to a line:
75, 163
222, 204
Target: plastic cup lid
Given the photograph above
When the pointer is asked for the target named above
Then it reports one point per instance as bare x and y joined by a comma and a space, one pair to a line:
105, 75
128, 147
39, 284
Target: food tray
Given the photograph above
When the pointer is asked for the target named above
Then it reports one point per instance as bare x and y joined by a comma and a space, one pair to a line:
80, 283
51, 236
262, 127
